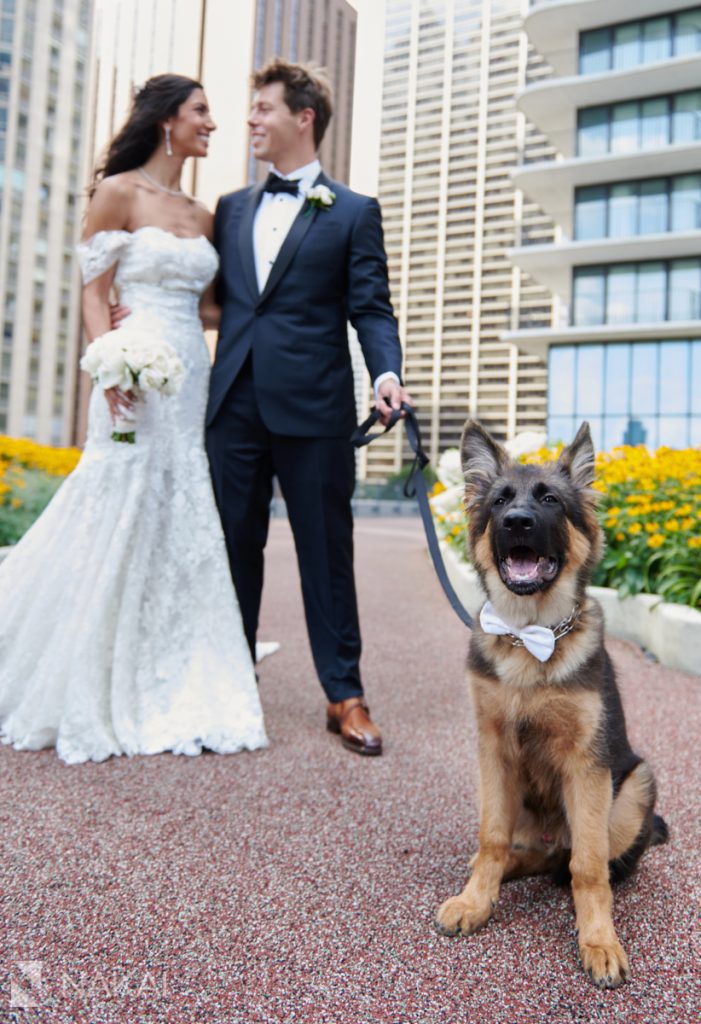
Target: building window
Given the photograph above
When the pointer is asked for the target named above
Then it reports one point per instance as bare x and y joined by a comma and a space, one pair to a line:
650, 206
646, 392
636, 125
618, 47
648, 292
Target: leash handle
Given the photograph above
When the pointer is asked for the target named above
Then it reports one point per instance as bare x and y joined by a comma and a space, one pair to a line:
415, 486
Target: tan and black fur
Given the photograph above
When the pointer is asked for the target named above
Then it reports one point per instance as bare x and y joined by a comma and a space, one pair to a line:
561, 790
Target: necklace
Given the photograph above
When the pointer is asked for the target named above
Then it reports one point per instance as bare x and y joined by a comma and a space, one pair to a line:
157, 184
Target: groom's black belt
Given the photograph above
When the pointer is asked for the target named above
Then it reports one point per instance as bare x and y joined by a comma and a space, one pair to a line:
415, 486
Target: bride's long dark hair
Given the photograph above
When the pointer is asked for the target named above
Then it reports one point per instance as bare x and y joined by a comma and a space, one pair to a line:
141, 133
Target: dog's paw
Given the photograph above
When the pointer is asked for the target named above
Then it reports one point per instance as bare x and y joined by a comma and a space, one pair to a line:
457, 915
606, 964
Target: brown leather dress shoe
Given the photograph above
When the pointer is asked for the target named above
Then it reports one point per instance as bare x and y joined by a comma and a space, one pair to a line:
351, 718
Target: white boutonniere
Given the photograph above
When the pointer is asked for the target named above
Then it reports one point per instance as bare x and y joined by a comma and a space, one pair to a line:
320, 197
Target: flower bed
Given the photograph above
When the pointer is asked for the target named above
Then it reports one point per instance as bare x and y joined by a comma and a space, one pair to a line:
650, 511
30, 474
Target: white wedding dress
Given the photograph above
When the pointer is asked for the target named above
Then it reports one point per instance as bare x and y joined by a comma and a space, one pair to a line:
120, 631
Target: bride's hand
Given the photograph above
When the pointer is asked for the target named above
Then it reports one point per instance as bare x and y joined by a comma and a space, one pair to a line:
118, 314
121, 403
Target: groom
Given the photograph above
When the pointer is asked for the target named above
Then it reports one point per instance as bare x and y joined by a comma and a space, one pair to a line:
294, 269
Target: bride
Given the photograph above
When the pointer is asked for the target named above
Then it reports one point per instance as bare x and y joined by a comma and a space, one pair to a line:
120, 631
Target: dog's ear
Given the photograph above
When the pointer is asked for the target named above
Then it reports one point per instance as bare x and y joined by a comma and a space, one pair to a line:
577, 460
481, 457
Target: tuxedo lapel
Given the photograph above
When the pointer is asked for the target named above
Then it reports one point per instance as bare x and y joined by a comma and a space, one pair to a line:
245, 240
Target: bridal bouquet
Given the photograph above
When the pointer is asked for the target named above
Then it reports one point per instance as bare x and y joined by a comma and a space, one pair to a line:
133, 358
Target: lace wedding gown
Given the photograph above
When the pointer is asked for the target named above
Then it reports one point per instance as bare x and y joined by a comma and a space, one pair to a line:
119, 628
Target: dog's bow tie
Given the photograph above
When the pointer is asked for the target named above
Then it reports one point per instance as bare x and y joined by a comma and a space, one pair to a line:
538, 640
275, 184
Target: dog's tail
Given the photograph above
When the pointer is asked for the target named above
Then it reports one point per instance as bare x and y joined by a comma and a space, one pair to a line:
660, 832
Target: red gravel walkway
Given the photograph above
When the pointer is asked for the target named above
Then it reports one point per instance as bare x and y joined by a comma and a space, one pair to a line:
299, 883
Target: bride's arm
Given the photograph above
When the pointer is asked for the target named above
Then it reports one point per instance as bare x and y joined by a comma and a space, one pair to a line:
210, 310
108, 211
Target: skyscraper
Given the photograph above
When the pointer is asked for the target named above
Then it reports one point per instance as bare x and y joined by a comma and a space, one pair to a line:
323, 31
451, 135
44, 47
623, 110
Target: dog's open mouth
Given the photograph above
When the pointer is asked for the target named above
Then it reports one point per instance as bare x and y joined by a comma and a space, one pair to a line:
524, 569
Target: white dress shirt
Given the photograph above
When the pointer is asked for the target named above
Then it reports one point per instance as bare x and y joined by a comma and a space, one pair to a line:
274, 217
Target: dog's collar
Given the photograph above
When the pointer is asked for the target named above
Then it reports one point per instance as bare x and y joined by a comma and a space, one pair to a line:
538, 640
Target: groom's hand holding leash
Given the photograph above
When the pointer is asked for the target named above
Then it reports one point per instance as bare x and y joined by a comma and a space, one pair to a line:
390, 396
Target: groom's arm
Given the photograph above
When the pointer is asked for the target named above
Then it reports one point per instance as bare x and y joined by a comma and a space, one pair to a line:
370, 308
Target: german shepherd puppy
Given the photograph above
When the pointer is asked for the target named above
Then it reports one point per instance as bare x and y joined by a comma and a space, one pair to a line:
561, 790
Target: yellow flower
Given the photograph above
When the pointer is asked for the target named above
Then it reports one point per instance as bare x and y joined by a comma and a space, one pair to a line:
689, 523
456, 531
656, 541
672, 525
620, 536
694, 542
56, 461
651, 527
634, 528
16, 503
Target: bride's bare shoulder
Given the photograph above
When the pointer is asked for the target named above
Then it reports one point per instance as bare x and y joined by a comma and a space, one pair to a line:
205, 219
111, 204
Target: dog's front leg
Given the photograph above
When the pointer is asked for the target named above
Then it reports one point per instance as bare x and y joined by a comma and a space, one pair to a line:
588, 795
499, 804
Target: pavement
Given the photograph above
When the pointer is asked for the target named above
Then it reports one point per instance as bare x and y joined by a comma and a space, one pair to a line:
299, 883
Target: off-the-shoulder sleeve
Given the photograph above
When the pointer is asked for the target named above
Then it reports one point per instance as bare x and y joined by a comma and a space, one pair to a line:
99, 252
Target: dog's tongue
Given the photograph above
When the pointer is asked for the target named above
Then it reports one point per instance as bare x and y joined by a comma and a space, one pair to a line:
523, 566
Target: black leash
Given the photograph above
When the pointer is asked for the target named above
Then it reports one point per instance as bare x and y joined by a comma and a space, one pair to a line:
415, 486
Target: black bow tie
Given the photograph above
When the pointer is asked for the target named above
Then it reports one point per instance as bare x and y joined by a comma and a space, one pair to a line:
274, 183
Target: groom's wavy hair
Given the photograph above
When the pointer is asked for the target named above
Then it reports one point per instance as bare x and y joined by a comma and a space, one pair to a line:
306, 85
140, 135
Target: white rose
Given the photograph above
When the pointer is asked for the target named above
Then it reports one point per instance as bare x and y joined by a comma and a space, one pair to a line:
150, 379
113, 371
449, 469
322, 194
174, 377
450, 500
91, 359
524, 443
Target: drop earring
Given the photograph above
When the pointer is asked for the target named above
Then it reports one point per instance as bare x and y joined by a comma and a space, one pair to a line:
169, 148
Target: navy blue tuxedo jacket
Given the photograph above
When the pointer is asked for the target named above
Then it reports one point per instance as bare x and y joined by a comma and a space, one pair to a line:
331, 268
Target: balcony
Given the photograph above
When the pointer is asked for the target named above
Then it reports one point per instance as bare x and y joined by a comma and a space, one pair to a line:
552, 265
553, 26
537, 340
552, 104
551, 183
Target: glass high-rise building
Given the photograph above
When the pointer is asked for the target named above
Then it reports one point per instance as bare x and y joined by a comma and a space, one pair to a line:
44, 48
623, 111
